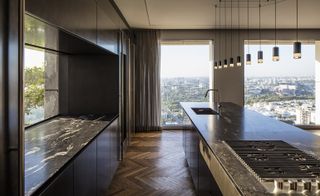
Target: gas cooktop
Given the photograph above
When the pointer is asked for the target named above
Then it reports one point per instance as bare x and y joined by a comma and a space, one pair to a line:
279, 166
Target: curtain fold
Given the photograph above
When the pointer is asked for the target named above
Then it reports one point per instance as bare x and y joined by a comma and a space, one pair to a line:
147, 80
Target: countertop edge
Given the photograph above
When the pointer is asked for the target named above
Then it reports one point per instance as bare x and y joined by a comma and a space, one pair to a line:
52, 177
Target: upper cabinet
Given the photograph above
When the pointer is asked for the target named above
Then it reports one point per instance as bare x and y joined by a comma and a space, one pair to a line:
76, 16
94, 20
107, 29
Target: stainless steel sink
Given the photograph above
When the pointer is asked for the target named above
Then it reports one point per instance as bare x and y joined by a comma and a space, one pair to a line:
204, 111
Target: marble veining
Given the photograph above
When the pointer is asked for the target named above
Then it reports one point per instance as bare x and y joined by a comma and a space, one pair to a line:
51, 144
238, 123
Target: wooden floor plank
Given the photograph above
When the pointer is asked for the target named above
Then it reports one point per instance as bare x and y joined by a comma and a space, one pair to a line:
154, 164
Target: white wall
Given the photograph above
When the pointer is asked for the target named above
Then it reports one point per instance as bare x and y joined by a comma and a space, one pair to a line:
230, 82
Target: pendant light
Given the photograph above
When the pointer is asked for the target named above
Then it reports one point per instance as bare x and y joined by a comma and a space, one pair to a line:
215, 27
225, 64
275, 49
248, 55
220, 63
297, 44
260, 52
239, 57
231, 43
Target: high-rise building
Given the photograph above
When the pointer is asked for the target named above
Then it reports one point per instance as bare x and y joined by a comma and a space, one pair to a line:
303, 116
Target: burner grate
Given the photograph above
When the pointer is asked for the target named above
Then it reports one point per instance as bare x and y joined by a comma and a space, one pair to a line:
276, 159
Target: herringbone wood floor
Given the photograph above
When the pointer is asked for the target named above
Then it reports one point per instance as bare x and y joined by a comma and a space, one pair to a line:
153, 165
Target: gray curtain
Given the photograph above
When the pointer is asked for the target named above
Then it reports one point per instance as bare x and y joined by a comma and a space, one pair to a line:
147, 80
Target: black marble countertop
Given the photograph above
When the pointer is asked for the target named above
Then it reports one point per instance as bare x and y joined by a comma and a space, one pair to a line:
52, 143
238, 123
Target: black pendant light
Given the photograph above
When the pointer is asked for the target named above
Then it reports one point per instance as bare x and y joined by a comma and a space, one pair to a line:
231, 43
239, 57
220, 62
225, 62
275, 49
215, 33
248, 55
297, 44
260, 52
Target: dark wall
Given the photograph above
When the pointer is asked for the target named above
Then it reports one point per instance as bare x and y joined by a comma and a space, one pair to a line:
14, 96
93, 84
3, 156
11, 146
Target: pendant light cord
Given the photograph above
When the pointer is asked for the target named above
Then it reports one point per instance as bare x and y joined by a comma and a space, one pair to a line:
275, 23
215, 25
220, 30
260, 23
231, 30
239, 25
225, 27
297, 19
248, 26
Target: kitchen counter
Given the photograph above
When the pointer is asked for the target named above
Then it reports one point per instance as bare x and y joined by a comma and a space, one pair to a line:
53, 143
238, 123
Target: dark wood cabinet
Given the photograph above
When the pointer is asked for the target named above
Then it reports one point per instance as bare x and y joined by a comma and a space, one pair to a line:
103, 162
85, 173
192, 152
107, 157
62, 185
203, 180
115, 146
107, 29
76, 16
207, 184
92, 170
194, 156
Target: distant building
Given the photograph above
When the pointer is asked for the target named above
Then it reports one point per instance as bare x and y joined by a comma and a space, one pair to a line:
303, 116
286, 89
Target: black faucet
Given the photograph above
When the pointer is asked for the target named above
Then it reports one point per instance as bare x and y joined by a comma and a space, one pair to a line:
218, 101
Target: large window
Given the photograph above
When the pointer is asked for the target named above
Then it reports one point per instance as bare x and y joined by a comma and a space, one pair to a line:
184, 78
40, 85
284, 90
41, 74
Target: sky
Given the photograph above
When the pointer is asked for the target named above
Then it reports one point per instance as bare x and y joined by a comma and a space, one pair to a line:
33, 58
193, 61
184, 61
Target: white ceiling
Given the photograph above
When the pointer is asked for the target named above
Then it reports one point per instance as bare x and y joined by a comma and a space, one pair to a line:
199, 14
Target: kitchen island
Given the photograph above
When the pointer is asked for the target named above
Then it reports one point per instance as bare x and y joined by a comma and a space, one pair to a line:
53, 146
237, 123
